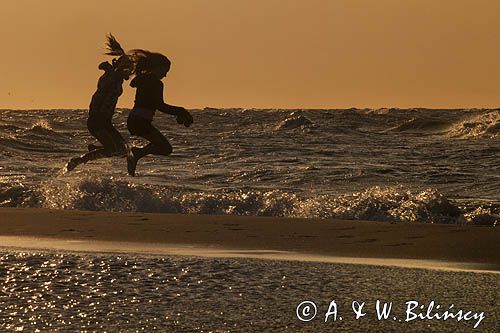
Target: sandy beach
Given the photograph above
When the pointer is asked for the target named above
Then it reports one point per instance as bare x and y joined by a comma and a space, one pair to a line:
396, 243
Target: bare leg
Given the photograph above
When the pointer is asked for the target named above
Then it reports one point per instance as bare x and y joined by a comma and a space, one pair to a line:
158, 145
91, 156
113, 145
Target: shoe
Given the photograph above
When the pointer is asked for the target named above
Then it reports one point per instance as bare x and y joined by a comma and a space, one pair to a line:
131, 161
72, 164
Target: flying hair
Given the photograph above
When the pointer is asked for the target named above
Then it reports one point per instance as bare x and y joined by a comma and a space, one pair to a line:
139, 61
114, 48
122, 62
146, 61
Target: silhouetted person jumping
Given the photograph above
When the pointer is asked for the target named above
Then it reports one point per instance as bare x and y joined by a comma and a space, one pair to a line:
150, 69
103, 104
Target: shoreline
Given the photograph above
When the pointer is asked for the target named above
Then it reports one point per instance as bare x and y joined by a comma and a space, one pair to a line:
154, 249
450, 247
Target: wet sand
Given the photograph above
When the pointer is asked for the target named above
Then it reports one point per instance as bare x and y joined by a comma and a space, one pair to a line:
76, 291
411, 245
72, 270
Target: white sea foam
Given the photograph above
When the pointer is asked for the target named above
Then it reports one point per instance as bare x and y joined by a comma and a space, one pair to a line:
480, 125
395, 204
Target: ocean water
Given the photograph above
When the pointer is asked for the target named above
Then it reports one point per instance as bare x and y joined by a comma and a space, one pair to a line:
400, 165
61, 292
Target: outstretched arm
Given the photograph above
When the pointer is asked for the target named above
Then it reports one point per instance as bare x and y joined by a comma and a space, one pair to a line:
182, 115
171, 109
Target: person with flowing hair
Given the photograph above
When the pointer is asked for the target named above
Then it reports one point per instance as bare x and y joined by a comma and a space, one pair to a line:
150, 69
103, 104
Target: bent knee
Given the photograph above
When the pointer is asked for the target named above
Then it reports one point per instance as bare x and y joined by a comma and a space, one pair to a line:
167, 149
163, 149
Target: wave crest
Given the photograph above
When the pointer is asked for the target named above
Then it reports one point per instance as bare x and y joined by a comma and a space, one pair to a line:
394, 204
483, 125
387, 204
295, 120
420, 125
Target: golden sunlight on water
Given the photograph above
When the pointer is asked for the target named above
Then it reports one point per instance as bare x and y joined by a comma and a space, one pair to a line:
45, 291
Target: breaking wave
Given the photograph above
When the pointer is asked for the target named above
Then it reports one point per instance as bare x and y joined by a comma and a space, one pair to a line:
395, 204
295, 120
482, 125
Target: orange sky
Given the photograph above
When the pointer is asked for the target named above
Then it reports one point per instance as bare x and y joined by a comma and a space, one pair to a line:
260, 53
